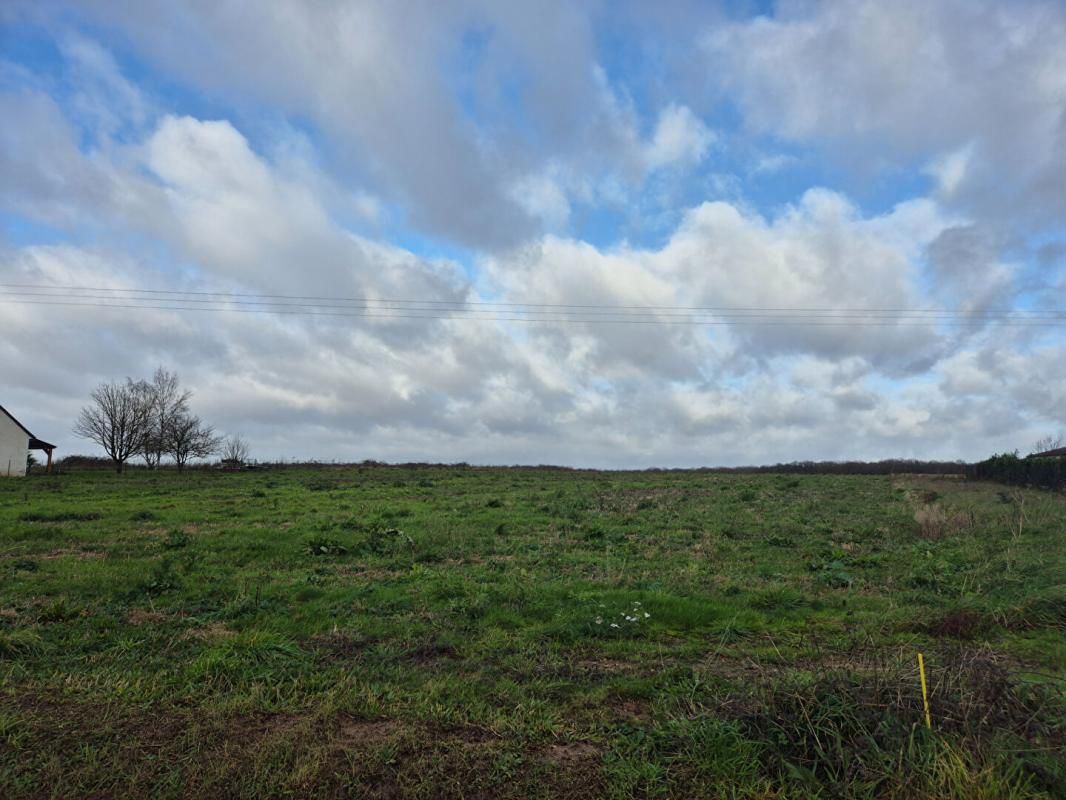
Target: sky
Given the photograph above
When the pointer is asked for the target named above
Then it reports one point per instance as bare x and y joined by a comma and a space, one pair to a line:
478, 230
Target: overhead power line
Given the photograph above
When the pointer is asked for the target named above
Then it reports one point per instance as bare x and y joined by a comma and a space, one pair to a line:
498, 311
180, 293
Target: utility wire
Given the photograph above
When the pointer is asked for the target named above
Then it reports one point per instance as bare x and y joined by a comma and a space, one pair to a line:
538, 317
741, 313
173, 295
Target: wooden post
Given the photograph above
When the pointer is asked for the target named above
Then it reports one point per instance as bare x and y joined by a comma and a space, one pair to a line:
49, 470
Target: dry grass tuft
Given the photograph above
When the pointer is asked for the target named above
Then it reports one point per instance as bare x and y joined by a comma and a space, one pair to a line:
936, 522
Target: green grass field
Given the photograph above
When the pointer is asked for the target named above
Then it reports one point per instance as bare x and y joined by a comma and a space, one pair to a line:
460, 632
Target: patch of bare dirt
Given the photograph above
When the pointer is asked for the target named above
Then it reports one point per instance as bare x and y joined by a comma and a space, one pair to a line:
428, 652
370, 574
606, 666
572, 753
144, 616
367, 731
61, 552
632, 709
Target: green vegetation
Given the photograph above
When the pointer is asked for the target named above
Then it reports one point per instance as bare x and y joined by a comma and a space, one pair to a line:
1049, 473
459, 632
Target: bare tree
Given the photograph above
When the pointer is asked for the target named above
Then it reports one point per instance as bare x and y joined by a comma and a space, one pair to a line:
235, 449
187, 437
117, 419
1049, 442
169, 404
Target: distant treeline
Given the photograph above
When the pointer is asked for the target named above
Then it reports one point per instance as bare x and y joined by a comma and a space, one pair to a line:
1046, 473
889, 466
886, 467
1049, 473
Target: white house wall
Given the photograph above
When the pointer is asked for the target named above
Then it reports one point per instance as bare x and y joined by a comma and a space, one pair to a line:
14, 446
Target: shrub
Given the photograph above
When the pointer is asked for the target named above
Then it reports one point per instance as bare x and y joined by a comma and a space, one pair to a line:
1046, 473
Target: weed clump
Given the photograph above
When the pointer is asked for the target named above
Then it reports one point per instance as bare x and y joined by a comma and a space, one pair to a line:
321, 546
379, 541
832, 574
19, 643
387, 540
935, 522
58, 610
1045, 610
176, 540
162, 579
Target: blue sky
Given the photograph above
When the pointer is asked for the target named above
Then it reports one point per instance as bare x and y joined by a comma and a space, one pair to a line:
813, 164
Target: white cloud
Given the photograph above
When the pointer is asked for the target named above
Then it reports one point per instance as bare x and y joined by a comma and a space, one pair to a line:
950, 170
382, 83
543, 197
679, 138
976, 89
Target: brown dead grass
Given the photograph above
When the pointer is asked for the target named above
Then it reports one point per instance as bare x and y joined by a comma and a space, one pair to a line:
936, 522
144, 616
59, 552
307, 754
210, 632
